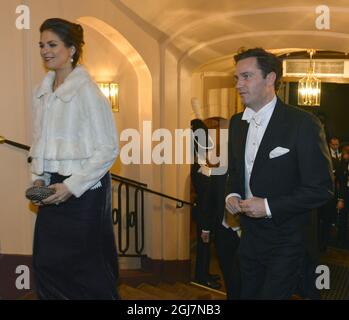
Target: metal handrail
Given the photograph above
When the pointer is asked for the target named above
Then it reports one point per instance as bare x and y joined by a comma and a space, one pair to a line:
133, 214
118, 178
140, 186
14, 144
180, 202
134, 183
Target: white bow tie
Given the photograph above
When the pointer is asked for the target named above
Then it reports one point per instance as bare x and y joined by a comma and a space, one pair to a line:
249, 115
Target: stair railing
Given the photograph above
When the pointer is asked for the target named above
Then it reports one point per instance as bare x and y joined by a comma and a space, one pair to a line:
130, 219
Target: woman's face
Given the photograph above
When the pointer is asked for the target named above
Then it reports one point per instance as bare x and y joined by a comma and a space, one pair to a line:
55, 54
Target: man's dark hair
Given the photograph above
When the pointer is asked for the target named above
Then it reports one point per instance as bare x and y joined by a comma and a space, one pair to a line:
266, 62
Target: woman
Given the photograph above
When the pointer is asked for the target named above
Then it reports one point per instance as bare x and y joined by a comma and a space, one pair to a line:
74, 146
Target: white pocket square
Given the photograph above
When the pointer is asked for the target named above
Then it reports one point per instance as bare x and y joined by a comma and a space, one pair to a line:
277, 152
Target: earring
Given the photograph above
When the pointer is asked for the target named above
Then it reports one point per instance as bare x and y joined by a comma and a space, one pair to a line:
71, 60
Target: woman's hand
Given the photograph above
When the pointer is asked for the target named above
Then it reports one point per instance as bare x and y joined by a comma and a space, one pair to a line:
62, 194
39, 183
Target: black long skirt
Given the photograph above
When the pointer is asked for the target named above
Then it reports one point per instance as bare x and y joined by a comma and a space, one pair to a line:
74, 254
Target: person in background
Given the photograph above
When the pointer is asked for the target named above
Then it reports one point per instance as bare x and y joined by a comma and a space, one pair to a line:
203, 216
343, 200
327, 214
335, 152
74, 145
226, 227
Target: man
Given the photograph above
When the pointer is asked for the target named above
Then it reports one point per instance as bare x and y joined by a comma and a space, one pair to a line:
335, 153
279, 169
226, 239
202, 215
226, 226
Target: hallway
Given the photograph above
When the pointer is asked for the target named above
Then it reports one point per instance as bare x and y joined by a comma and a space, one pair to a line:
153, 57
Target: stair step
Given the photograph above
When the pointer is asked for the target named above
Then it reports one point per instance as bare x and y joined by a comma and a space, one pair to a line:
29, 296
184, 292
159, 292
164, 291
215, 294
129, 293
203, 292
198, 293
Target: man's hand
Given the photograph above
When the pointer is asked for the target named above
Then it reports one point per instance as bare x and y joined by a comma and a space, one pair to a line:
253, 207
232, 205
62, 194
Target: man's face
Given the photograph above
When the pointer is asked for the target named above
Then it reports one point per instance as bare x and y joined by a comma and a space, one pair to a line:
334, 144
255, 91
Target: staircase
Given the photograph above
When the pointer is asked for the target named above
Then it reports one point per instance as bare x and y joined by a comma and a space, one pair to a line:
166, 291
163, 291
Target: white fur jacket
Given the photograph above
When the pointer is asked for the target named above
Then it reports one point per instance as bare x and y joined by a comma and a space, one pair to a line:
74, 132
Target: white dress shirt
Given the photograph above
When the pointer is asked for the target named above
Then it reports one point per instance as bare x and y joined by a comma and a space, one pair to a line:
336, 154
258, 124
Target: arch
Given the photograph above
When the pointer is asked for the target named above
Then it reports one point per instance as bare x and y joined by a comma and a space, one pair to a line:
233, 14
271, 39
145, 102
142, 71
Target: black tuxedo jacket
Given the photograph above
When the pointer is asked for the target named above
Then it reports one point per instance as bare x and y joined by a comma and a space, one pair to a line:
293, 183
343, 177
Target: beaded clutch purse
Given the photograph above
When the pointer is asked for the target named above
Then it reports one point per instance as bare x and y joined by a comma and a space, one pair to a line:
38, 193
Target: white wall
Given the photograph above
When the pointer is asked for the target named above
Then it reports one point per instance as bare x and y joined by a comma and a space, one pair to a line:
107, 64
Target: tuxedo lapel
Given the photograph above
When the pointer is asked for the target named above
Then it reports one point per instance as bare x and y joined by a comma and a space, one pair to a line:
275, 129
241, 146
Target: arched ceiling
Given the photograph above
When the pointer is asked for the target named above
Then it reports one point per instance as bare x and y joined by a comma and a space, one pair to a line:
211, 31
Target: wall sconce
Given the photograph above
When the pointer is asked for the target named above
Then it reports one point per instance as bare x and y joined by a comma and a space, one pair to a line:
111, 91
309, 88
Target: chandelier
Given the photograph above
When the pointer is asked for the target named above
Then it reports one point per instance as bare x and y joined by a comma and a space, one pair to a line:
309, 87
